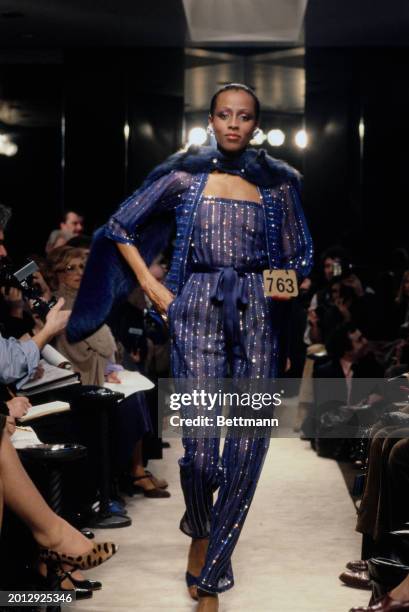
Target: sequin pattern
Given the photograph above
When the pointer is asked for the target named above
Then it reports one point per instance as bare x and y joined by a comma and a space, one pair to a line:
226, 233
220, 232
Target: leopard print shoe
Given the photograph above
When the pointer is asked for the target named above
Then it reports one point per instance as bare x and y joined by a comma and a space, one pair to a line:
100, 553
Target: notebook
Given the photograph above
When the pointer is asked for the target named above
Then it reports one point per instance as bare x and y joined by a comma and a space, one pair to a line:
42, 410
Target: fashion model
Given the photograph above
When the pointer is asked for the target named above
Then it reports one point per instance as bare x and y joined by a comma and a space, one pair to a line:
237, 212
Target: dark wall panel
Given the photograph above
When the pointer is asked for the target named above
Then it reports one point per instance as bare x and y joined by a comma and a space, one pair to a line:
357, 190
104, 91
385, 100
30, 181
332, 160
95, 114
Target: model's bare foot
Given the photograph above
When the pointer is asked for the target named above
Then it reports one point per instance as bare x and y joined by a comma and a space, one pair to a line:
63, 537
196, 560
208, 604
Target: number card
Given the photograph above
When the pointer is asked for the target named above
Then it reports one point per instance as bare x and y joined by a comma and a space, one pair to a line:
280, 284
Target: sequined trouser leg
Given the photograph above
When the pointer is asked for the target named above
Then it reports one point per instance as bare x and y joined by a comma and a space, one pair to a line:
202, 471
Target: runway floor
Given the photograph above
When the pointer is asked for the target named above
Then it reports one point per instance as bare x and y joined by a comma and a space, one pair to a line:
297, 538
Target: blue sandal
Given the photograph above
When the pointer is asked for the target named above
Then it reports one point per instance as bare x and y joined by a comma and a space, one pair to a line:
191, 581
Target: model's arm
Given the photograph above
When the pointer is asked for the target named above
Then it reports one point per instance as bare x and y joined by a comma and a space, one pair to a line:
126, 223
297, 247
156, 292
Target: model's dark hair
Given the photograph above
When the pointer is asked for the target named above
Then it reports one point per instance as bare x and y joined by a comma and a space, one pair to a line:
5, 214
235, 86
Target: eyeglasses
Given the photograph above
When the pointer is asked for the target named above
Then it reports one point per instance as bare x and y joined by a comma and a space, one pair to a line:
72, 269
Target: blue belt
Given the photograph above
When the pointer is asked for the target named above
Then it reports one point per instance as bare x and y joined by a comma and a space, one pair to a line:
232, 294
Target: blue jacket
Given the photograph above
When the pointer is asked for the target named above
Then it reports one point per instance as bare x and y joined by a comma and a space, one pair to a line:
170, 196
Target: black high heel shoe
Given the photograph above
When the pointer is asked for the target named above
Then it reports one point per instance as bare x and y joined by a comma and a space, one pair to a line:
88, 585
43, 584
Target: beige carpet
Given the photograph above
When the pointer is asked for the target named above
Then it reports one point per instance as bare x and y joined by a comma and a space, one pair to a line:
297, 538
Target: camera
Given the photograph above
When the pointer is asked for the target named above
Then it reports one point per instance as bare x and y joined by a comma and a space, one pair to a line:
22, 279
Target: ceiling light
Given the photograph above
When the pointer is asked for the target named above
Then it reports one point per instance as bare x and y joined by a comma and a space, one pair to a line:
197, 136
276, 138
301, 139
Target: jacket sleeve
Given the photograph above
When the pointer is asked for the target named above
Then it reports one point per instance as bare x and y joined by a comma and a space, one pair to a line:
297, 247
143, 220
156, 198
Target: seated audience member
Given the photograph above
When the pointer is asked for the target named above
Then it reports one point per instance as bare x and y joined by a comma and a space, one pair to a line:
388, 286
16, 318
350, 358
71, 225
90, 357
349, 365
364, 307
138, 352
333, 260
383, 507
94, 359
56, 537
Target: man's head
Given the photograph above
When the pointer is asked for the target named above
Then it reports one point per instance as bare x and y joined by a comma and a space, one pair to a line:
5, 214
332, 260
72, 222
347, 342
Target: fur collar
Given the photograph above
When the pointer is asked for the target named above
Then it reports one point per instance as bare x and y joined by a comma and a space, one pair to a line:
254, 165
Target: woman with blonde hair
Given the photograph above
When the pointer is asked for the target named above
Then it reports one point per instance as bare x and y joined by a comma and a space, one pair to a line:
89, 357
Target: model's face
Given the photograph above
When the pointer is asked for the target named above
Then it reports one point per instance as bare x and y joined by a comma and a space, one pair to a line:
72, 274
73, 224
234, 119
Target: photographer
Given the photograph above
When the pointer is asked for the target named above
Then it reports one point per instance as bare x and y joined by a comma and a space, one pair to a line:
19, 359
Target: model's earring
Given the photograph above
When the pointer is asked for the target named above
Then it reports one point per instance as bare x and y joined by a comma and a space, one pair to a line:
210, 130
256, 133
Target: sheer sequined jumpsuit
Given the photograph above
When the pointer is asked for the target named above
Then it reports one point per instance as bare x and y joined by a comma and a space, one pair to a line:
227, 233
211, 338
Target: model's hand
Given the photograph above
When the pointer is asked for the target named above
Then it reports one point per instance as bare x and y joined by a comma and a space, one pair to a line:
158, 295
18, 406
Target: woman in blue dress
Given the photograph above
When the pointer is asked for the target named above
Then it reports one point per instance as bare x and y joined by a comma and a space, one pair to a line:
237, 212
